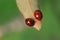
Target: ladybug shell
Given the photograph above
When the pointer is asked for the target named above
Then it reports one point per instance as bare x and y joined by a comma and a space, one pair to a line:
38, 15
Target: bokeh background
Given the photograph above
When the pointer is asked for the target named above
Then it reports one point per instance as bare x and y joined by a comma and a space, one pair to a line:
50, 22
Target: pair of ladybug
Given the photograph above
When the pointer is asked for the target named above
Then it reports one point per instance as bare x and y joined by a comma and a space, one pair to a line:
37, 15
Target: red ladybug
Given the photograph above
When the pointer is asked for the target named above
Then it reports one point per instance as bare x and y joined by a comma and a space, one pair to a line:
38, 14
30, 22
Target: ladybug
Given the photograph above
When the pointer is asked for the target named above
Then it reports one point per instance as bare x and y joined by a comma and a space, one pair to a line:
38, 15
30, 22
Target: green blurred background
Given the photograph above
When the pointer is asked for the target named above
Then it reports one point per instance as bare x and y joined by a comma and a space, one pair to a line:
50, 23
